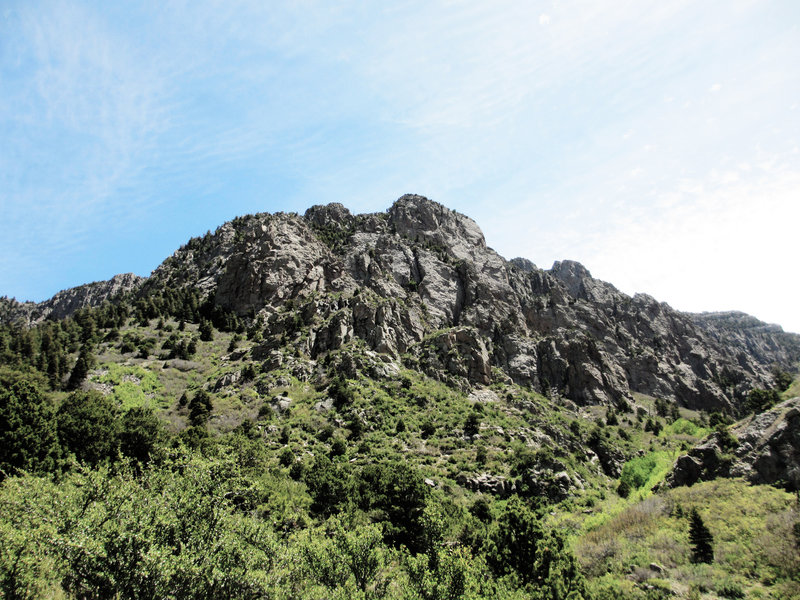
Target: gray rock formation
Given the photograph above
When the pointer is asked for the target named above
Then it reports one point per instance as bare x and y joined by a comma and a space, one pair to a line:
488, 484
417, 283
766, 342
66, 302
766, 450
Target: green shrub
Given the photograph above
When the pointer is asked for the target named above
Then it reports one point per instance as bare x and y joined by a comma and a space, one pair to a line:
522, 546
140, 432
88, 426
636, 471
396, 494
728, 588
286, 457
684, 427
328, 484
759, 400
28, 437
200, 408
340, 392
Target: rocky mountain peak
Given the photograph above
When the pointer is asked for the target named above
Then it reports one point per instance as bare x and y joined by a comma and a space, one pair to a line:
68, 301
329, 215
418, 283
568, 270
422, 220
523, 264
572, 274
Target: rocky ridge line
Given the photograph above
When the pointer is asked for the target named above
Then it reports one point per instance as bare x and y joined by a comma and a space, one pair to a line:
418, 283
67, 302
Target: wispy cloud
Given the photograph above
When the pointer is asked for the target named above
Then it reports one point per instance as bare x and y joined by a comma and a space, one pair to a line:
79, 112
563, 128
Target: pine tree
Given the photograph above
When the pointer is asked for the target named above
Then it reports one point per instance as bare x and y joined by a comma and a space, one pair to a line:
206, 331
701, 539
200, 408
81, 369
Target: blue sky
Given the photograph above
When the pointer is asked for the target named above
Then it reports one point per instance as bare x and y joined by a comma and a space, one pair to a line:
655, 142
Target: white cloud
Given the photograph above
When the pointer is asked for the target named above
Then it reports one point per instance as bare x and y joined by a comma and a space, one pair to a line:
544, 19
723, 242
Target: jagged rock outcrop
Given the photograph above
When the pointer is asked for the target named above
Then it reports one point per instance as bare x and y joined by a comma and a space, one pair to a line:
254, 263
765, 448
459, 351
548, 480
66, 302
418, 283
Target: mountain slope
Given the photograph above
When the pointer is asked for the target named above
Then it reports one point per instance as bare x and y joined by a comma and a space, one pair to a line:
425, 269
320, 392
419, 282
66, 302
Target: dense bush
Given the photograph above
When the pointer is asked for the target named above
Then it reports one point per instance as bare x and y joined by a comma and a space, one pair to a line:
171, 533
200, 408
28, 437
140, 432
394, 493
759, 400
88, 427
522, 547
636, 471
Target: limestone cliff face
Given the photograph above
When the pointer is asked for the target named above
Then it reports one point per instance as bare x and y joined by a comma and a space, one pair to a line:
419, 282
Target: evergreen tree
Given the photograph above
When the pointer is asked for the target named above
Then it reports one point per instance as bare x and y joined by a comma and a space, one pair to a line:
81, 369
472, 424
139, 433
200, 408
759, 400
28, 438
328, 485
206, 331
701, 539
87, 426
341, 392
522, 547
397, 491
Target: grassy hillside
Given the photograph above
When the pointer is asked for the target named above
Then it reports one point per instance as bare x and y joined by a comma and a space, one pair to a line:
193, 461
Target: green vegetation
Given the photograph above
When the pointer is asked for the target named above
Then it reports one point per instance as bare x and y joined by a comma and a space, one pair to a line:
87, 427
164, 448
132, 385
750, 527
644, 472
28, 437
700, 538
